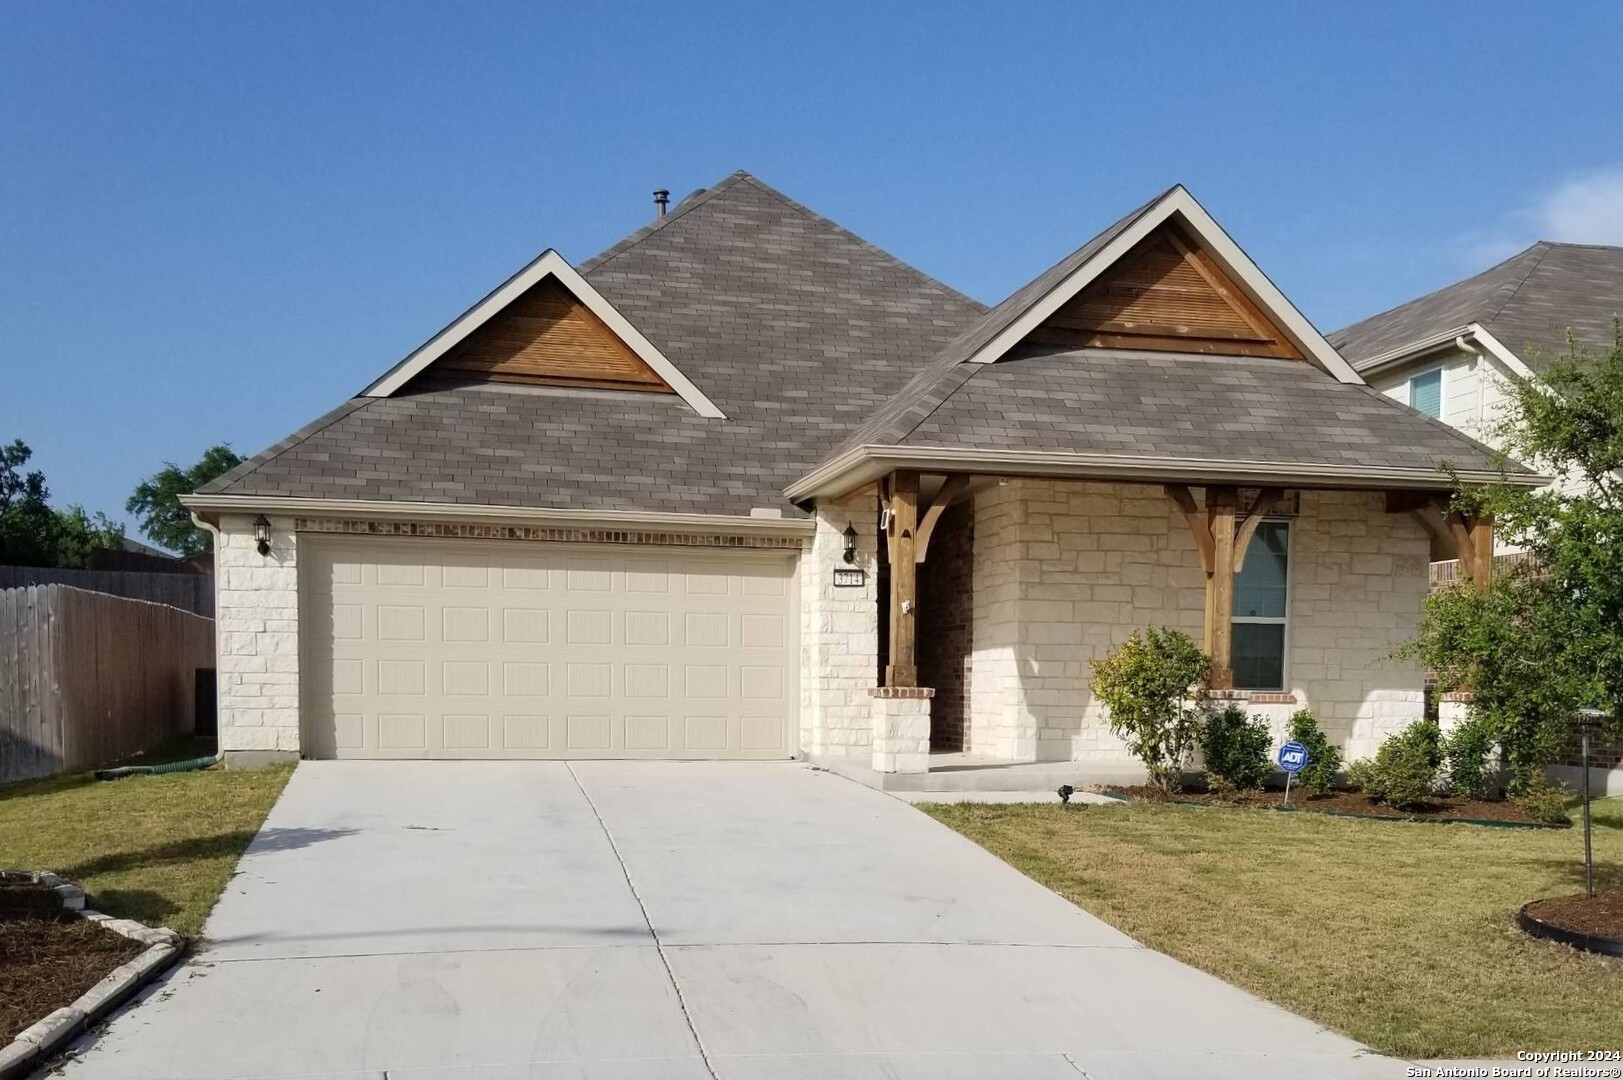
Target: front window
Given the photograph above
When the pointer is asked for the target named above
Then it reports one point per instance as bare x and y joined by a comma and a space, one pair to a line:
1426, 393
1261, 604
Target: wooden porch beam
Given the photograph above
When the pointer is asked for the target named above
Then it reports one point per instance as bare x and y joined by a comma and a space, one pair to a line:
951, 491
1264, 505
1472, 535
1198, 526
903, 670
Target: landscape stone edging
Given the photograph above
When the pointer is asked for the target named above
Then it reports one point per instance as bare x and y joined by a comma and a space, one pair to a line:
44, 1038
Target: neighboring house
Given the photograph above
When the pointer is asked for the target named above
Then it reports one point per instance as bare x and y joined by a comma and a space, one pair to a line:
1448, 354
745, 486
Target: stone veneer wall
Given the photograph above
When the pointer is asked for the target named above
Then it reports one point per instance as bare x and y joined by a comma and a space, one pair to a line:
257, 626
839, 631
1066, 570
946, 625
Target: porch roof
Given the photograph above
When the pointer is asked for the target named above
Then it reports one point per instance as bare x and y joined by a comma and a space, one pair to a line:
1160, 417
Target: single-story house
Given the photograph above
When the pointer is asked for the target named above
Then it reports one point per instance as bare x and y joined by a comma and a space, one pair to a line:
746, 486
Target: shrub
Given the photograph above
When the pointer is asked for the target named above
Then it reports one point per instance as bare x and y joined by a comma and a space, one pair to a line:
1404, 771
1465, 759
1152, 687
1323, 757
1235, 747
1361, 775
1542, 802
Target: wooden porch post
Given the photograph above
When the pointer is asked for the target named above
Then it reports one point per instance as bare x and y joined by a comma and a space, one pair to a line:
1222, 550
1221, 503
903, 668
1482, 551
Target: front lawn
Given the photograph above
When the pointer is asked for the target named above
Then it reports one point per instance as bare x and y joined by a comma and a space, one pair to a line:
158, 849
1400, 935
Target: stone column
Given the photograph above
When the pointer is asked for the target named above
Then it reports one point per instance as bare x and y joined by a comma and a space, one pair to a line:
901, 729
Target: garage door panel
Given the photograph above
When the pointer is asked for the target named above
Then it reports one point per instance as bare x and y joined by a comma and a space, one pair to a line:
423, 649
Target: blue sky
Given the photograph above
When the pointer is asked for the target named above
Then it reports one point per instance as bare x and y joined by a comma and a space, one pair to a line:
220, 219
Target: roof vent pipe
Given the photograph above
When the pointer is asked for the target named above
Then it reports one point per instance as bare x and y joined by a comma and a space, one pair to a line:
662, 199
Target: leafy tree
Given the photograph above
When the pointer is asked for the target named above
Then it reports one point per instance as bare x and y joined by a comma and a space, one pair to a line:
1546, 638
1154, 687
77, 534
33, 534
156, 500
26, 521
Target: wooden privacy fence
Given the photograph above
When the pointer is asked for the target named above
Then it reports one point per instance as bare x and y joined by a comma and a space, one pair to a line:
87, 678
193, 592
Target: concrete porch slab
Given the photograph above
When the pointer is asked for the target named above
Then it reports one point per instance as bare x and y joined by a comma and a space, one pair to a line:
963, 772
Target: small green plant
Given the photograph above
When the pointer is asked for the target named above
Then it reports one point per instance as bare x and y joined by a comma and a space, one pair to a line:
1361, 775
1323, 757
1153, 686
1220, 788
1465, 759
1541, 801
1404, 771
1235, 746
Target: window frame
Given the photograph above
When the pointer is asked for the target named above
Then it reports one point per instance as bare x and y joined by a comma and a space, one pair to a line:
1269, 620
1441, 371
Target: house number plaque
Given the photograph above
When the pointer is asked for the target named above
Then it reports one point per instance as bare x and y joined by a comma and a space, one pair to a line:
847, 577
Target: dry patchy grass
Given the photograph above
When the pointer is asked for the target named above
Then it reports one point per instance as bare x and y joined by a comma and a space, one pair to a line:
1400, 935
159, 849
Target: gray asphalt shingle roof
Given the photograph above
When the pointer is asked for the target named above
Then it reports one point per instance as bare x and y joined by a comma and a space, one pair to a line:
809, 338
794, 327
1528, 302
1061, 400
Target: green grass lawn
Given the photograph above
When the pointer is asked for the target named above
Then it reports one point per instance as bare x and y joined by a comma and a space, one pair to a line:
159, 849
1400, 935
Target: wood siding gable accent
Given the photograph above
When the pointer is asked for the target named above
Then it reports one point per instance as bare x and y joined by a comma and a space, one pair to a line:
1166, 295
547, 336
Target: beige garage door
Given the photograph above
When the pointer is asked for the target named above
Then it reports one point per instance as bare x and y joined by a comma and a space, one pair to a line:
432, 649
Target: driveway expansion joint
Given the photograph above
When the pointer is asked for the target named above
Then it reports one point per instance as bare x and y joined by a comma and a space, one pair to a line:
681, 1002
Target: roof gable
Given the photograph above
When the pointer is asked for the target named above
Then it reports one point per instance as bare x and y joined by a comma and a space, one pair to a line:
548, 337
1166, 295
1015, 319
548, 325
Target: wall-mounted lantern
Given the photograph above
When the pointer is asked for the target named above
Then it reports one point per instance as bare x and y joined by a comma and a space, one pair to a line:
850, 535
262, 534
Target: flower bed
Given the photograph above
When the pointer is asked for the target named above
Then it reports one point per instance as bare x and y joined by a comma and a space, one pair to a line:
1352, 804
1594, 923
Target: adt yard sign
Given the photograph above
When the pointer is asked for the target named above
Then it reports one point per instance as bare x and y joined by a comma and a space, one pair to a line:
1293, 757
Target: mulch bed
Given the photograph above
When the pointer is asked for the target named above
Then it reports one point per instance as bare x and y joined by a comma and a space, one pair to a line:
1343, 802
47, 962
1599, 916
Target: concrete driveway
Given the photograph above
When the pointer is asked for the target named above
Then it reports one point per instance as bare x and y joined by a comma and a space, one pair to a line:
610, 920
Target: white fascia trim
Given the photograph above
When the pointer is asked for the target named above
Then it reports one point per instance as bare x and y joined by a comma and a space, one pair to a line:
548, 264
1219, 245
376, 509
1499, 352
1443, 339
864, 464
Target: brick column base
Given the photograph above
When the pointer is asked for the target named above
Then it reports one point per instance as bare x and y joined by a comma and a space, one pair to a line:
901, 729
